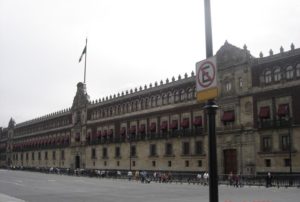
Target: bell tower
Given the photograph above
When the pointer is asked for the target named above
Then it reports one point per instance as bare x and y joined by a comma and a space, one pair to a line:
79, 119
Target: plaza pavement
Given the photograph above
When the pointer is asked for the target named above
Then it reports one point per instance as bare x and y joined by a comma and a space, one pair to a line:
23, 186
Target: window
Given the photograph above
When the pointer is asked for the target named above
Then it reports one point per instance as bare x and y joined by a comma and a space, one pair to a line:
228, 116
169, 98
32, 156
198, 147
283, 110
176, 95
285, 143
153, 163
153, 150
39, 155
197, 121
289, 72
164, 99
169, 149
190, 94
133, 150
53, 155
26, 156
185, 123
93, 153
187, 163
185, 148
153, 102
264, 112
169, 163
267, 162
266, 144
199, 163
298, 70
133, 163
46, 155
287, 162
182, 95
174, 125
240, 82
277, 74
268, 76
118, 163
21, 156
117, 152
62, 154
228, 86
104, 152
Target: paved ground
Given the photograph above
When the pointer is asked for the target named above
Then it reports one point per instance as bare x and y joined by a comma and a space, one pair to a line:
20, 186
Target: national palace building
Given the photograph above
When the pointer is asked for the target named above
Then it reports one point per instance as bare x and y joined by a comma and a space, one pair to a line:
162, 127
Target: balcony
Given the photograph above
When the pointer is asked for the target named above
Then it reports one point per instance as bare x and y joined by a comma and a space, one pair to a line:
267, 124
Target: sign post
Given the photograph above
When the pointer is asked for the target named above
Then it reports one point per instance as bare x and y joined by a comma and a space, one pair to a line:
206, 84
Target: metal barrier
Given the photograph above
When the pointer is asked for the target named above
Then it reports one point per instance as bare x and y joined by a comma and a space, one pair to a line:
276, 180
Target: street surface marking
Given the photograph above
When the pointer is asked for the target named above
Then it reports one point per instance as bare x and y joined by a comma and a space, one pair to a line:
7, 198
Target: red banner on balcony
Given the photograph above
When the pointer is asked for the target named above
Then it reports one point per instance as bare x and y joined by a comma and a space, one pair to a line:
153, 127
283, 110
198, 121
228, 116
164, 125
110, 132
123, 131
264, 112
142, 128
185, 123
174, 124
133, 129
104, 133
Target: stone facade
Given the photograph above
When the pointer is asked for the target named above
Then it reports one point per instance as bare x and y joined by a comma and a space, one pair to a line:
162, 126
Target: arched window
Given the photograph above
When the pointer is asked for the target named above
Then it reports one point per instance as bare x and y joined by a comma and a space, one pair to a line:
169, 98
176, 96
190, 93
127, 108
142, 103
111, 111
153, 101
298, 70
228, 86
182, 95
289, 72
146, 103
268, 76
158, 100
136, 105
119, 109
277, 74
164, 99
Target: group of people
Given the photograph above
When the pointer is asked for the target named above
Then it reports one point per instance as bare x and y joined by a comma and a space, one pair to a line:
143, 176
234, 180
203, 179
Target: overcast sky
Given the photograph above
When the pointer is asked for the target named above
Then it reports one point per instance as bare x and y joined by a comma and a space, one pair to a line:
130, 43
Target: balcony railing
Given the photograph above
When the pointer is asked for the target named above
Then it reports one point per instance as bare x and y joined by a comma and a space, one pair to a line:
150, 136
265, 124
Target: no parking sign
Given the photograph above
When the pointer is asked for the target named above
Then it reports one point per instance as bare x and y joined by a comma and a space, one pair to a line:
206, 79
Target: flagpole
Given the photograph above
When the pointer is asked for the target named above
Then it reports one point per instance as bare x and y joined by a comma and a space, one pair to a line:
84, 79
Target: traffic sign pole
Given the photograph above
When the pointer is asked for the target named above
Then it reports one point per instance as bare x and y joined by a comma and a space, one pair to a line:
211, 108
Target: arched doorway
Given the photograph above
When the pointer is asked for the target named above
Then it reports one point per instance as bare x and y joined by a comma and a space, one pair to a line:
77, 162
